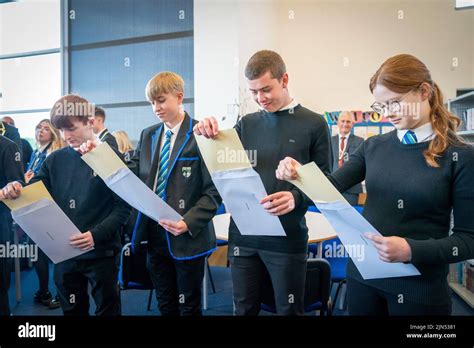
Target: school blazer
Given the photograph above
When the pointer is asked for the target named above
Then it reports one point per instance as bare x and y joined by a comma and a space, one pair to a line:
189, 190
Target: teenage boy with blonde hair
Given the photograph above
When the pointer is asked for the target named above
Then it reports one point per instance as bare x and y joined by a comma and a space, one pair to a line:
167, 159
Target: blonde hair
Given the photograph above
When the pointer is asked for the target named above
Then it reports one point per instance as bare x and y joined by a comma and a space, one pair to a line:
164, 82
123, 141
56, 142
403, 73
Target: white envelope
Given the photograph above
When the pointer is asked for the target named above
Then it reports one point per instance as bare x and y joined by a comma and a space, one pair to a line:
350, 227
49, 227
132, 190
242, 190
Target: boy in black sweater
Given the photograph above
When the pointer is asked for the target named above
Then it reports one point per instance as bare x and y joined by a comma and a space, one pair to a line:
10, 170
283, 127
91, 206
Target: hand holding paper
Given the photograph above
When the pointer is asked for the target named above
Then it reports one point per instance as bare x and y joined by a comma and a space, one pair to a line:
238, 184
352, 228
207, 127
105, 162
391, 249
43, 220
12, 190
287, 169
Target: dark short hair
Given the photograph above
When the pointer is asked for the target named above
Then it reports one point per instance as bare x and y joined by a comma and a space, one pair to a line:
68, 108
99, 112
264, 61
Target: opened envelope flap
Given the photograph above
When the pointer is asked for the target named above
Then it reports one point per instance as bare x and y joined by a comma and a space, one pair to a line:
103, 160
333, 205
34, 206
29, 194
234, 173
316, 185
225, 152
118, 175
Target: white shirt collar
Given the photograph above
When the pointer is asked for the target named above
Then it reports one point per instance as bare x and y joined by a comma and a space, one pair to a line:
99, 135
175, 129
101, 132
292, 105
423, 133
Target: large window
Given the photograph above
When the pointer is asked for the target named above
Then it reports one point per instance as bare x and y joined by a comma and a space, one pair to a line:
116, 46
30, 63
104, 50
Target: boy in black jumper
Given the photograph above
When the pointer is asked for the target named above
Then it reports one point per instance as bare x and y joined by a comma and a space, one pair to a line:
282, 128
91, 206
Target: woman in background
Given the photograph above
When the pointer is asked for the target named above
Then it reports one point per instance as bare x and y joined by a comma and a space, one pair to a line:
48, 140
124, 145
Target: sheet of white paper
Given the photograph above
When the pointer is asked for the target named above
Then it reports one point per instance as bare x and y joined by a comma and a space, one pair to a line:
242, 190
350, 227
49, 228
132, 190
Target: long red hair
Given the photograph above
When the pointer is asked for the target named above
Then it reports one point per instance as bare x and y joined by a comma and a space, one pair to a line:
403, 73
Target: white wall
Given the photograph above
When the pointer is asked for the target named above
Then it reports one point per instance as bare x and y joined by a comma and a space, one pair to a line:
316, 37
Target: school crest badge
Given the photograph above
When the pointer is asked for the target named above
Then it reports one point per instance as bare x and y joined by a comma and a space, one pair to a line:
186, 171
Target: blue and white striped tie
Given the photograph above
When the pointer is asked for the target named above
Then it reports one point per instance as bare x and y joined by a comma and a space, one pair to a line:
163, 167
409, 138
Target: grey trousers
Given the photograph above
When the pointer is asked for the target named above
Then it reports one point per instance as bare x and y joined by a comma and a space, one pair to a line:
287, 273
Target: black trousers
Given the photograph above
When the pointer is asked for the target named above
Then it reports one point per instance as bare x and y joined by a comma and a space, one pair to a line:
177, 283
42, 270
366, 300
287, 273
72, 278
5, 265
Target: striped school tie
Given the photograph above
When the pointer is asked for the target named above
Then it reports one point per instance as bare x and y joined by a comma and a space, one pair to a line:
163, 167
409, 138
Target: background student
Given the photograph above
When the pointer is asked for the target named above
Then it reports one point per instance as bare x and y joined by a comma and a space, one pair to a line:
102, 133
11, 169
12, 133
26, 148
48, 140
125, 147
415, 176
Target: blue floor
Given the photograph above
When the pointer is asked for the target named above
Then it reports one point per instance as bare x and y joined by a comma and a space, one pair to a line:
134, 302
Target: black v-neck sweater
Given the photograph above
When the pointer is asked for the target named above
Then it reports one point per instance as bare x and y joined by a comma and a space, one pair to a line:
409, 199
271, 136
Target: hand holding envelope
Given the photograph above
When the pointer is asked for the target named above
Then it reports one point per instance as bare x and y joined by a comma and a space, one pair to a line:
105, 162
238, 184
352, 229
35, 211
